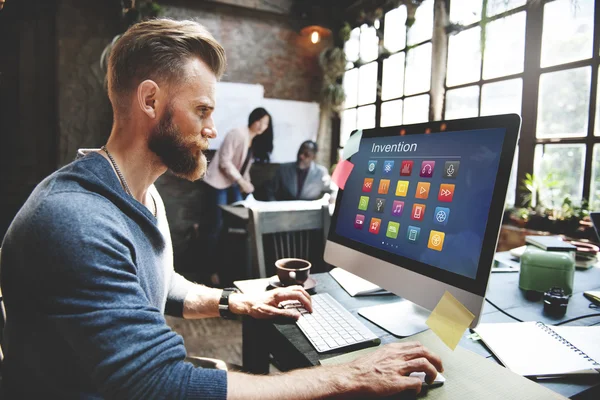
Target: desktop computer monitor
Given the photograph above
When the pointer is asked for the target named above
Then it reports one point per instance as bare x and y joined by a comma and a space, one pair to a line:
421, 211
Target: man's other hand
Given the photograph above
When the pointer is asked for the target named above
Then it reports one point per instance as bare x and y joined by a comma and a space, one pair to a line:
266, 305
385, 371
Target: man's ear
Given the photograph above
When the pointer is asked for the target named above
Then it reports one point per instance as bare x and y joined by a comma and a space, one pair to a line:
147, 97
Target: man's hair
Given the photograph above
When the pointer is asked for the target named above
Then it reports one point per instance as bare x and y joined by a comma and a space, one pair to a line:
158, 49
309, 144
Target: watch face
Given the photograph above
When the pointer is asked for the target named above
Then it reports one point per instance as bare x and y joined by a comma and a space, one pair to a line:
224, 311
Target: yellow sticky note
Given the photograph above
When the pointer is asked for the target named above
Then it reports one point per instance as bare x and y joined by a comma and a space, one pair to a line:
449, 320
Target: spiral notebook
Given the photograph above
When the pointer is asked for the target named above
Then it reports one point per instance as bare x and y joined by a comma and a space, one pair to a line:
543, 351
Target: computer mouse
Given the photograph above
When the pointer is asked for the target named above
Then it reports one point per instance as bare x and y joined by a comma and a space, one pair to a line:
438, 381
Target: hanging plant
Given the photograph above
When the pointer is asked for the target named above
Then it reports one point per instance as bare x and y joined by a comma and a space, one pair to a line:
333, 63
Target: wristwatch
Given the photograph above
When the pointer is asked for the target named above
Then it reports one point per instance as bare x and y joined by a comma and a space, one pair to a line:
224, 310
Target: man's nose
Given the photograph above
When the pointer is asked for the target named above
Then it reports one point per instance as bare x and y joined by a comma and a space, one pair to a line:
209, 133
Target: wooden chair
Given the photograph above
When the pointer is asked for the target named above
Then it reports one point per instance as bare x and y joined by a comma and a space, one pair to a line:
282, 234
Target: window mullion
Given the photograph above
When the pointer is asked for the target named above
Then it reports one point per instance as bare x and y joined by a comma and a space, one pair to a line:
531, 83
589, 148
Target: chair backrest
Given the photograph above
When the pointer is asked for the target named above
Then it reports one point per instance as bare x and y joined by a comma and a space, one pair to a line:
289, 233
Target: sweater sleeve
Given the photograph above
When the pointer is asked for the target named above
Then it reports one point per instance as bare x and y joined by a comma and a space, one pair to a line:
178, 289
90, 294
230, 147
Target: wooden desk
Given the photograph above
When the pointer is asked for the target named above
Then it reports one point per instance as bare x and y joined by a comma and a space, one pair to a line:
289, 349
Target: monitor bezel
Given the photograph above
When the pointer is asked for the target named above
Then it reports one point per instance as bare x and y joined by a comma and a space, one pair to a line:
511, 123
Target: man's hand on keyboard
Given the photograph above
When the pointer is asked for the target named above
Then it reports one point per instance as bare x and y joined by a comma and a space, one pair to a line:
385, 372
266, 305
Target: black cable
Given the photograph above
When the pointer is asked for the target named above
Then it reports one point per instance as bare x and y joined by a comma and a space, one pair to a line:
560, 323
578, 318
502, 311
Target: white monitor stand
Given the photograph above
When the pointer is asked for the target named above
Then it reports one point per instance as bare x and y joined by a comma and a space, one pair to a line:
402, 318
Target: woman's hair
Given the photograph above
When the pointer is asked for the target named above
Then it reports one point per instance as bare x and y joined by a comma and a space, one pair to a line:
157, 49
262, 145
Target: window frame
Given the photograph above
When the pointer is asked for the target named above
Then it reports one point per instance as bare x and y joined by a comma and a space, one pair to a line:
532, 71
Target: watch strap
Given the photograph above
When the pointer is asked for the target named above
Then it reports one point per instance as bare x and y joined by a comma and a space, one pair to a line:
224, 310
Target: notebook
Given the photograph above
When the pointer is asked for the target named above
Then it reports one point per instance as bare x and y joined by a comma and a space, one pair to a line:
539, 350
355, 285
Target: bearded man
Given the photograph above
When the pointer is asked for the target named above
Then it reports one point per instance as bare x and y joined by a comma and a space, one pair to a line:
87, 263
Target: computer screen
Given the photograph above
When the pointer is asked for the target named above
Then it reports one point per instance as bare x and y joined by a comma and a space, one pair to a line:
428, 198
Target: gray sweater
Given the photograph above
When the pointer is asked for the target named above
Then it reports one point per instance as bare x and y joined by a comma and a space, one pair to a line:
87, 272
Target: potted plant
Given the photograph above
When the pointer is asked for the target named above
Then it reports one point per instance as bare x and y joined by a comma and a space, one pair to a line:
553, 213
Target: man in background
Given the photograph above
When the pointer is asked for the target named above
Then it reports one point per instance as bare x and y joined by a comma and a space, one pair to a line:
303, 179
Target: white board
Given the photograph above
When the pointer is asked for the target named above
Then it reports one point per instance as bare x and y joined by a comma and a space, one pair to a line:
293, 123
235, 102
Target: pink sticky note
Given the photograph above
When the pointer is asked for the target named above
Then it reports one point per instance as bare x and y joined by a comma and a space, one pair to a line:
342, 172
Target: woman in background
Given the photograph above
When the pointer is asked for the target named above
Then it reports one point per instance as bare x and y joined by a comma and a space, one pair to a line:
228, 174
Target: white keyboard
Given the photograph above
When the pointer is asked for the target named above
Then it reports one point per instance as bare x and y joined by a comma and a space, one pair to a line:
331, 326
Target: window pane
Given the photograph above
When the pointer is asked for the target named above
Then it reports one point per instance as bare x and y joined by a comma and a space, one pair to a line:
422, 29
391, 113
418, 70
369, 43
347, 125
563, 103
393, 77
394, 36
495, 7
416, 109
464, 57
367, 83
595, 189
512, 181
351, 46
351, 87
366, 117
568, 31
502, 97
462, 103
559, 171
597, 127
504, 46
465, 12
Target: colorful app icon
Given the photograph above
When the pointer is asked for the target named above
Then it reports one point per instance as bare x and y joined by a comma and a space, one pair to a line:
412, 233
363, 203
422, 190
384, 186
436, 240
397, 208
372, 166
388, 166
359, 221
402, 188
441, 215
379, 205
451, 169
392, 229
374, 226
446, 192
367, 184
427, 169
406, 167
418, 212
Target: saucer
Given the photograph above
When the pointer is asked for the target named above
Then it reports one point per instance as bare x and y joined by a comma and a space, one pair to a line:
308, 285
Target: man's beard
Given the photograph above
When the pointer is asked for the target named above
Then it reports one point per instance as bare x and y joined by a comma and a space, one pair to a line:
184, 159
